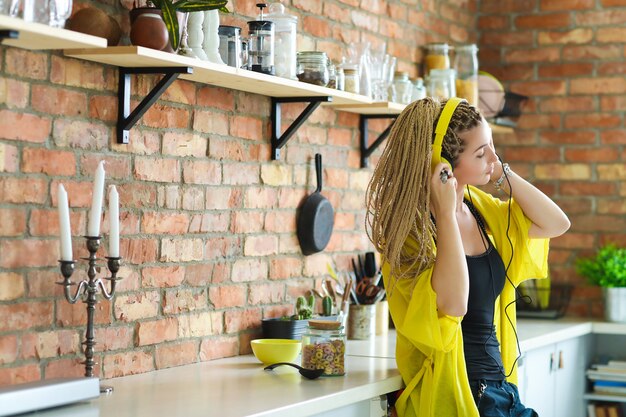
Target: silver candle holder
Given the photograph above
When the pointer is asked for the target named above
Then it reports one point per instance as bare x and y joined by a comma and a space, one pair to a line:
87, 291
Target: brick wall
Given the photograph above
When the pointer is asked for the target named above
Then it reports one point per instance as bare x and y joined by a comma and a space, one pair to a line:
569, 57
207, 220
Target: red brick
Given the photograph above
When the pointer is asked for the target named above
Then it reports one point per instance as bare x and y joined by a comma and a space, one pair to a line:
167, 356
540, 55
161, 116
9, 161
198, 275
27, 64
15, 94
613, 137
22, 126
227, 296
240, 174
592, 154
209, 222
141, 142
543, 21
312, 6
601, 17
492, 22
249, 269
159, 170
587, 188
532, 153
506, 6
574, 36
573, 137
27, 315
565, 70
612, 68
114, 338
222, 347
139, 251
221, 272
261, 197
247, 222
567, 4
218, 98
508, 38
162, 276
8, 349
283, 268
265, 293
246, 127
127, 363
238, 320
184, 300
210, 122
53, 163
155, 332
260, 245
567, 104
40, 253
184, 144
610, 35
612, 103
202, 172
598, 85
77, 134
612, 206
77, 73
591, 120
222, 247
116, 166
103, 108
12, 222
19, 374
591, 52
181, 250
70, 315
538, 121
11, 286
180, 92
164, 223
58, 101
613, 3
131, 307
344, 221
539, 88
315, 26
280, 222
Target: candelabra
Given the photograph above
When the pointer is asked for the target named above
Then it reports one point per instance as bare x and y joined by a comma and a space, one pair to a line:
87, 290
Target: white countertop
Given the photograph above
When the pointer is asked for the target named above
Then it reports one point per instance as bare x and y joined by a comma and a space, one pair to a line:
238, 386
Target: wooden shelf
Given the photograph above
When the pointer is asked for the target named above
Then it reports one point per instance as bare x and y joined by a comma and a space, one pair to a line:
40, 36
219, 75
372, 108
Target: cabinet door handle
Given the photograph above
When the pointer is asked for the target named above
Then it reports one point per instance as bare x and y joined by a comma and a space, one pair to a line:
561, 359
552, 362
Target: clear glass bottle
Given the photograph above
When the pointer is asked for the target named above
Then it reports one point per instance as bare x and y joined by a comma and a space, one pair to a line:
261, 44
438, 84
437, 57
324, 347
230, 45
284, 41
466, 66
419, 90
351, 82
403, 87
312, 68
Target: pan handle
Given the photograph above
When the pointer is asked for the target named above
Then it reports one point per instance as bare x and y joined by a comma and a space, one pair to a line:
318, 171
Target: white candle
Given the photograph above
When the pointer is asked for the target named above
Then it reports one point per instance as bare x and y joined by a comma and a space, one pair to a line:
114, 223
93, 228
64, 225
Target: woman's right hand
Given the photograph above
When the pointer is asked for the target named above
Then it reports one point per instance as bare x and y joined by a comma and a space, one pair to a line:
442, 194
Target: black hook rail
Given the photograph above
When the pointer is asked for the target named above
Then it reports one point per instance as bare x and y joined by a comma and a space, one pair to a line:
278, 140
127, 119
9, 34
366, 151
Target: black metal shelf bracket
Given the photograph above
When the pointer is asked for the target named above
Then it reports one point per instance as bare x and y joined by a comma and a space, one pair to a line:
366, 151
127, 119
278, 140
9, 34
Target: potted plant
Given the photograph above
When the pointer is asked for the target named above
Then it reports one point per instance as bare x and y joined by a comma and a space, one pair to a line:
292, 327
607, 269
169, 11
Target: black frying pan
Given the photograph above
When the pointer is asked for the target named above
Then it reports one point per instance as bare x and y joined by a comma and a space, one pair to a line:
316, 219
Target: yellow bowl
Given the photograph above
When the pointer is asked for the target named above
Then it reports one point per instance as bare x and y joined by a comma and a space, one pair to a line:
271, 351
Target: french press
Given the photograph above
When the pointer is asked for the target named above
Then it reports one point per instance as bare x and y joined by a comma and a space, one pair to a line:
261, 44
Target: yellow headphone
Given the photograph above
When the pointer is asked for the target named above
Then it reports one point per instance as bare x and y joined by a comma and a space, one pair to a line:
440, 132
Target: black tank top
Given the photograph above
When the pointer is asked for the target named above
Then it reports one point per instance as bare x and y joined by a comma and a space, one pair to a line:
486, 279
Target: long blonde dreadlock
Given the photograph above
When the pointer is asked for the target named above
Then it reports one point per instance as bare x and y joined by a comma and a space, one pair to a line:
398, 195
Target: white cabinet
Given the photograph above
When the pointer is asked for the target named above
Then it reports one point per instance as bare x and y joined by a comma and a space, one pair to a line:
552, 378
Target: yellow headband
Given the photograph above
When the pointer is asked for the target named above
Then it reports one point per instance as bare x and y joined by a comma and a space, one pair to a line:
441, 129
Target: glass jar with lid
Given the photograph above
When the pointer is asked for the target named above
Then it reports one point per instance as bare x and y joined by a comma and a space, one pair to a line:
403, 87
324, 347
230, 45
437, 57
351, 81
284, 40
312, 67
439, 84
261, 44
466, 66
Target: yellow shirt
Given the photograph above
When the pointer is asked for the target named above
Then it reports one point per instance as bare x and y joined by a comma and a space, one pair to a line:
429, 350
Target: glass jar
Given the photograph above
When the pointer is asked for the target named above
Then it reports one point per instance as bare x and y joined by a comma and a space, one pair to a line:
284, 40
230, 45
332, 75
312, 68
437, 57
261, 44
340, 78
324, 347
466, 66
402, 87
438, 84
351, 79
419, 91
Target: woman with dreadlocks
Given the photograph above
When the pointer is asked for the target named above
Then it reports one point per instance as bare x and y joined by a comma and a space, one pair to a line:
452, 257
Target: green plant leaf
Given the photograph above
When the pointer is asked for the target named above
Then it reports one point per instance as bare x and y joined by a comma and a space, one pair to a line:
171, 22
606, 269
200, 5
